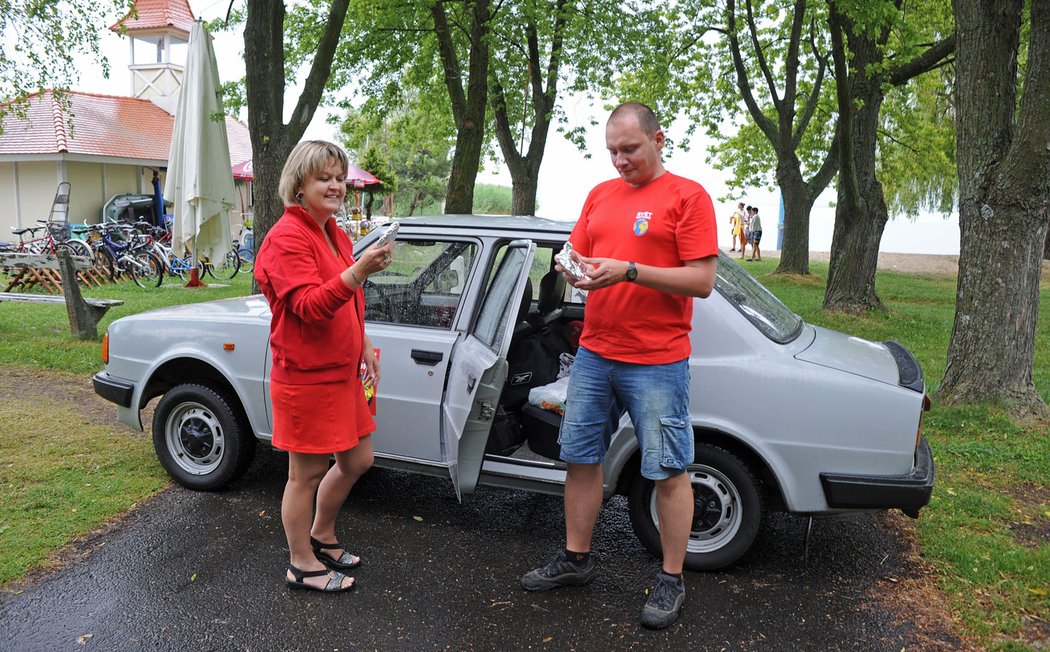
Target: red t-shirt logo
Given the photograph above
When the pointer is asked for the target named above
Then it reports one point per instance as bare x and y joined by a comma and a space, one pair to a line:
641, 222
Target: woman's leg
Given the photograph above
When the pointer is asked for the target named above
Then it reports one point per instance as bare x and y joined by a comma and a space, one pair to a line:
305, 472
335, 487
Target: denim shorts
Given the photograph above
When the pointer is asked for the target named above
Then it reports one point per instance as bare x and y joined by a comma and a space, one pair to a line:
655, 396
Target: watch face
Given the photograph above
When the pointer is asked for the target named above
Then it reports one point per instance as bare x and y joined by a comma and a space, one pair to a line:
632, 272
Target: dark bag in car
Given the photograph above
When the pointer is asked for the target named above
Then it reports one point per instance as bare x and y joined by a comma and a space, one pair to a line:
533, 361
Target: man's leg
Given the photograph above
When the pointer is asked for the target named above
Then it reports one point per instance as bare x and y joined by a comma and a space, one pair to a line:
590, 410
583, 499
573, 566
674, 504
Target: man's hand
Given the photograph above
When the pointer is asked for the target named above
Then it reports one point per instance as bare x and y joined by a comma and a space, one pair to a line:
601, 272
695, 278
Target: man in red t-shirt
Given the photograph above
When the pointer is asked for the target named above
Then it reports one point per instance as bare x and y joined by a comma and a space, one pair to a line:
647, 245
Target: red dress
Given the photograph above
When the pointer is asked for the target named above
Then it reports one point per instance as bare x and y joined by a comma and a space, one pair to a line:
316, 337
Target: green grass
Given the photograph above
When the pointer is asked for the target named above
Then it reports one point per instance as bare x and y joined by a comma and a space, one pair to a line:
984, 532
37, 335
62, 476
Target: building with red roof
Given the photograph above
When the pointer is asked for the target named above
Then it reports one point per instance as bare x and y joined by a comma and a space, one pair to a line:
106, 144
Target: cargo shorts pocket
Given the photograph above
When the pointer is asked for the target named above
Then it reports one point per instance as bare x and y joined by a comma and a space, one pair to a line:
676, 442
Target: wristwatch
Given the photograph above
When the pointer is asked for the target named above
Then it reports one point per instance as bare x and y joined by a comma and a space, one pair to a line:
632, 271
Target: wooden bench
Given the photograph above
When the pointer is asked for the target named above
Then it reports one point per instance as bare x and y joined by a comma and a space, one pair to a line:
84, 314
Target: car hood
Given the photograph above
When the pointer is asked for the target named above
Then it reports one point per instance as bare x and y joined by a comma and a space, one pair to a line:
852, 355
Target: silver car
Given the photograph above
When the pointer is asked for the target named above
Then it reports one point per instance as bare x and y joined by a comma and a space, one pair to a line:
472, 318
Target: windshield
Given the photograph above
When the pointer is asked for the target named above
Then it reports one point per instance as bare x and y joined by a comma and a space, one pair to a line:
757, 303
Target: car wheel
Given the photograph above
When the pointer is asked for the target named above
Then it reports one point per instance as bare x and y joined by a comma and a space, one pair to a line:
200, 438
727, 510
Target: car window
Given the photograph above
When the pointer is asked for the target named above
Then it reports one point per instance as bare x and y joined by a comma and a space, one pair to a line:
424, 284
498, 297
759, 305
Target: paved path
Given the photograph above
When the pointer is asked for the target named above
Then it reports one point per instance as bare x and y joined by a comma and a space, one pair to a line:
202, 571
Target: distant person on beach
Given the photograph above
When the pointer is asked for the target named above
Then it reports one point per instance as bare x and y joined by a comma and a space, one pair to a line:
756, 234
745, 230
736, 226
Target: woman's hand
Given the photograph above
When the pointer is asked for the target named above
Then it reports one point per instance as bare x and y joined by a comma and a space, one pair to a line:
374, 259
371, 363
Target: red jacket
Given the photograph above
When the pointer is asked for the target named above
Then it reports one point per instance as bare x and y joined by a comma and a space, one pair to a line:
317, 327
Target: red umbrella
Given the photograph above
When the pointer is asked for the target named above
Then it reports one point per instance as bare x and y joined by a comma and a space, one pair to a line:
243, 171
360, 178
356, 177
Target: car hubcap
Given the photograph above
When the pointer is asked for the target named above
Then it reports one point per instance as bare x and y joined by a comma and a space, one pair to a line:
716, 509
195, 438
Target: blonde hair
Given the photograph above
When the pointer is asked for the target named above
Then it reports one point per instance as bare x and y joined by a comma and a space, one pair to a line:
308, 158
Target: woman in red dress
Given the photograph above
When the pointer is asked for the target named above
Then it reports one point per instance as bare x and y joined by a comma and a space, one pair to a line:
308, 274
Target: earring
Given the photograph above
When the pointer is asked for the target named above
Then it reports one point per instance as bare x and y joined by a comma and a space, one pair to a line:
299, 197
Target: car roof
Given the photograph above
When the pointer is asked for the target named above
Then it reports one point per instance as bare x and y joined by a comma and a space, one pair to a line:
497, 223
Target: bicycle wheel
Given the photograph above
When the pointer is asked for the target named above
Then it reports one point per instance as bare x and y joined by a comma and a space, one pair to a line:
76, 248
225, 269
246, 260
177, 266
147, 270
104, 261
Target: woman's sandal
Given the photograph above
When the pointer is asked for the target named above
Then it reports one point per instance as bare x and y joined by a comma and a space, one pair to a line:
334, 585
346, 561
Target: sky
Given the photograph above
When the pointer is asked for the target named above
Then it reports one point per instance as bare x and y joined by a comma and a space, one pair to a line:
567, 174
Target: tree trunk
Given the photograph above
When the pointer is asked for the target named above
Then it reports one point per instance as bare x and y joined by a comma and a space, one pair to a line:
272, 139
1004, 203
525, 169
784, 132
523, 194
264, 63
991, 352
860, 212
469, 105
798, 201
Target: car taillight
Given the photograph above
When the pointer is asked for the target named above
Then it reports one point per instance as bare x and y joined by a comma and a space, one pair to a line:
926, 405
105, 348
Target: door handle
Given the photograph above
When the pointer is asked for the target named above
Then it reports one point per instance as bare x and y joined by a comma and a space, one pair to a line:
429, 358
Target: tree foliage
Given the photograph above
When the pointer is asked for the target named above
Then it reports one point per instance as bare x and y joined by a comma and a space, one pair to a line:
40, 42
528, 53
754, 76
416, 139
268, 39
875, 46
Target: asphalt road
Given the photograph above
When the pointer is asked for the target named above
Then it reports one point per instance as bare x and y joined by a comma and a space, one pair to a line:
199, 571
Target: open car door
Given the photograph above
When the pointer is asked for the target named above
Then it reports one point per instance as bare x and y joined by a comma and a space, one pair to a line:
479, 368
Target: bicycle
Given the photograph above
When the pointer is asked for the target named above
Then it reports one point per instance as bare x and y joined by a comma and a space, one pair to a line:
177, 266
133, 256
56, 236
225, 269
244, 245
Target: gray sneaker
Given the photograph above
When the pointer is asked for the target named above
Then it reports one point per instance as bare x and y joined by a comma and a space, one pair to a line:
665, 601
559, 572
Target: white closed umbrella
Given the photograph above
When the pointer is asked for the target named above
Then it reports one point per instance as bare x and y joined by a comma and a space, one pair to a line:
199, 180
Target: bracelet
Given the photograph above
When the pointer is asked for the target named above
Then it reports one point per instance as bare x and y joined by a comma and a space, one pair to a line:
354, 276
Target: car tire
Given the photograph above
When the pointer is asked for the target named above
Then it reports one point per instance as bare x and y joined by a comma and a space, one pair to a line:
727, 510
201, 438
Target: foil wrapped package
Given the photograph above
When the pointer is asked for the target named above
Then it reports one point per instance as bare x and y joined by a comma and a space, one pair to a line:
564, 258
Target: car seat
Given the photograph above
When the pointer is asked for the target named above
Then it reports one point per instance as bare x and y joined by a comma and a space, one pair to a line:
552, 294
